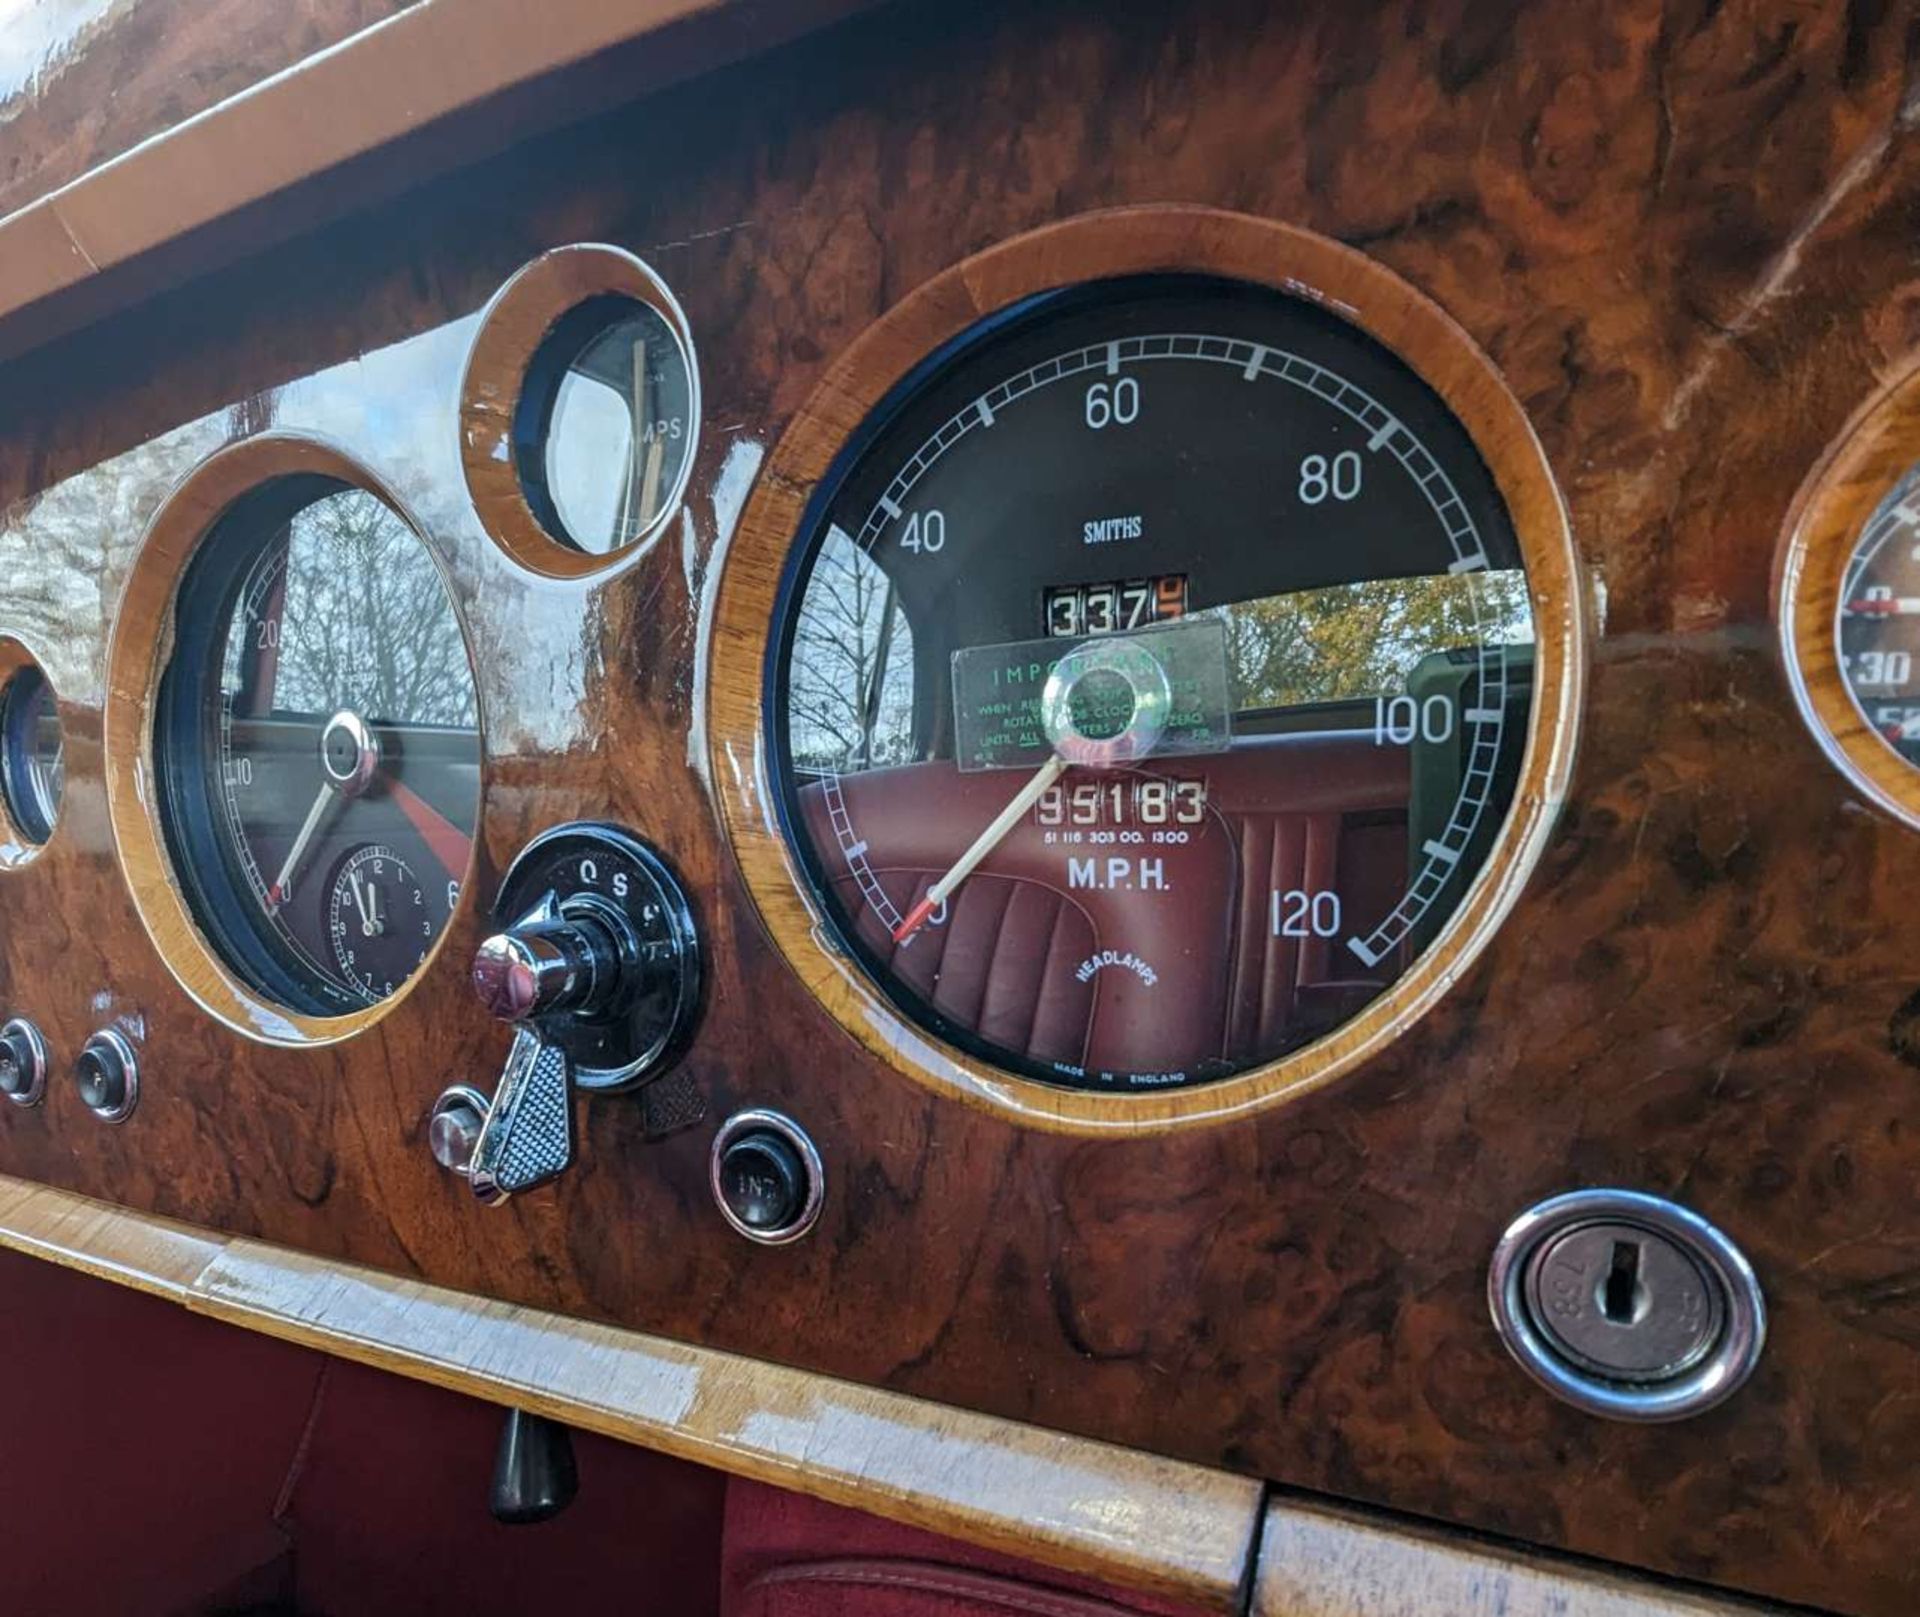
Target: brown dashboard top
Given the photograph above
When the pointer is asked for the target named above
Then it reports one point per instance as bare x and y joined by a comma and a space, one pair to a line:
1681, 240
81, 85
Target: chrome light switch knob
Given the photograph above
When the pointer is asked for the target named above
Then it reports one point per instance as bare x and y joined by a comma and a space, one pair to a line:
597, 970
107, 1076
549, 964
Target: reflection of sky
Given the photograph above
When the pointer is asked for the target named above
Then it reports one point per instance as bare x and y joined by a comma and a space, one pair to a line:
590, 449
36, 37
66, 552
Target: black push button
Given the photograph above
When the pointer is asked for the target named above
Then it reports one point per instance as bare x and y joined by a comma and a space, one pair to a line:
763, 1181
107, 1077
767, 1177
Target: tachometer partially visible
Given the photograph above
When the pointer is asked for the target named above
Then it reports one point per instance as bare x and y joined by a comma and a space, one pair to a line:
1877, 624
317, 743
1847, 599
1152, 681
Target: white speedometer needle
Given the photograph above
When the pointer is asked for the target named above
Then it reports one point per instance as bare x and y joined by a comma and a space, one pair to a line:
282, 887
984, 844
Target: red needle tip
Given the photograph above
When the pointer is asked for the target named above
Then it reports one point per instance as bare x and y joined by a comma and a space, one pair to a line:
916, 918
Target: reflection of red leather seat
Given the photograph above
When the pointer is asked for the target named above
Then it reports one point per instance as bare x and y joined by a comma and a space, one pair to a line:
1116, 956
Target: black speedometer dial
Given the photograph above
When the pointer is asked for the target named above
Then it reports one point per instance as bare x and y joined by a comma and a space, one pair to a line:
317, 745
1150, 682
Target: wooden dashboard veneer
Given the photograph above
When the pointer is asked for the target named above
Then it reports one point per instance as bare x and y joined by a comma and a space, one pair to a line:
1177, 1530
1683, 238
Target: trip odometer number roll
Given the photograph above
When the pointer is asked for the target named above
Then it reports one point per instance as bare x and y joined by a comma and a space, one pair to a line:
1151, 681
317, 743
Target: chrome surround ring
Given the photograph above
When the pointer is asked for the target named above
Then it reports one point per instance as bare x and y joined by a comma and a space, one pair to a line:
1711, 1380
779, 1123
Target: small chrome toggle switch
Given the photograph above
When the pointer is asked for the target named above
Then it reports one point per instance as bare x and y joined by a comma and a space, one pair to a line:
598, 973
453, 1127
1627, 1305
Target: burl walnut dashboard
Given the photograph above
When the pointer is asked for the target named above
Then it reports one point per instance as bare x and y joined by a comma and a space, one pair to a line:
1188, 722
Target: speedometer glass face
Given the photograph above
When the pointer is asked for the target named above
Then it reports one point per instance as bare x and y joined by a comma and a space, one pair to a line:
317, 743
1151, 680
1877, 625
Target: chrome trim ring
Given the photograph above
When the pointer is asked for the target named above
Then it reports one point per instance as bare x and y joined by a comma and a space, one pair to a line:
773, 1123
1712, 1379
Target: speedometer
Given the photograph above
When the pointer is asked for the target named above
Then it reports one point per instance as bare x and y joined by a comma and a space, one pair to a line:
1151, 682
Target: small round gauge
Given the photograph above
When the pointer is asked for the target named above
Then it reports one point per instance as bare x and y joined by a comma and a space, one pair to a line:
1877, 625
317, 745
382, 925
1847, 601
606, 424
1151, 682
32, 767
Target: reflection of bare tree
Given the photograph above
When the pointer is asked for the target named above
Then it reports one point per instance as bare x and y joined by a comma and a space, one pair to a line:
850, 693
366, 622
1363, 639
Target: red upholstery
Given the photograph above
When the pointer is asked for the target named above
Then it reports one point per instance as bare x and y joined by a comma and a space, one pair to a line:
789, 1556
389, 1514
161, 1465
1313, 812
142, 1447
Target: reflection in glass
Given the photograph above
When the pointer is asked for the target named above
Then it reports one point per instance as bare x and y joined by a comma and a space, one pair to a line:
1347, 642
349, 611
620, 431
34, 767
850, 692
319, 740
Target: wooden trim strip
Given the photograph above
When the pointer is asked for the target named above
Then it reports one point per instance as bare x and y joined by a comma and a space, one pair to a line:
149, 1254
1321, 1560
390, 81
1133, 1519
